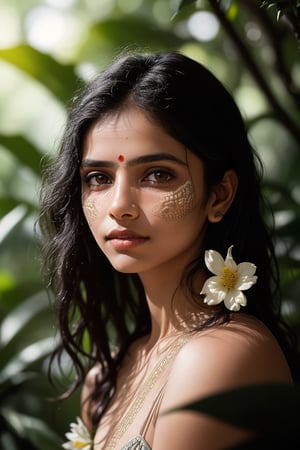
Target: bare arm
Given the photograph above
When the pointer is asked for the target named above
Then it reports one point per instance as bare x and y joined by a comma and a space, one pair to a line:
88, 387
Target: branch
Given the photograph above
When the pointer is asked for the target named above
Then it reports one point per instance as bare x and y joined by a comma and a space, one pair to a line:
275, 38
290, 10
245, 54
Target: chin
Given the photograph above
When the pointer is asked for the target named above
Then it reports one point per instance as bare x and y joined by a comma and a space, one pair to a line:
125, 264
124, 269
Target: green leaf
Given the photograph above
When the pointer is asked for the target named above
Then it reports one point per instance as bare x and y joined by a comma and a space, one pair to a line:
15, 321
26, 357
10, 220
227, 4
8, 203
263, 408
25, 151
132, 31
7, 282
60, 79
31, 429
185, 3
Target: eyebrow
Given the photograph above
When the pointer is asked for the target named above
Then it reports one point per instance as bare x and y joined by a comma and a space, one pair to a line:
135, 161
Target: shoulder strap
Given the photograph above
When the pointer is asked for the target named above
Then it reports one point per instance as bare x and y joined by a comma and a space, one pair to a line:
153, 411
142, 393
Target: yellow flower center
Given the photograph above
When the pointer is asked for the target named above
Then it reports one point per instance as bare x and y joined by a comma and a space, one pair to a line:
229, 277
79, 444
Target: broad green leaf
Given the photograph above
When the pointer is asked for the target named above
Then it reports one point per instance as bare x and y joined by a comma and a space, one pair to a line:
31, 429
8, 203
232, 10
277, 441
22, 314
130, 31
10, 220
60, 79
259, 407
227, 4
24, 289
24, 150
185, 3
22, 360
7, 282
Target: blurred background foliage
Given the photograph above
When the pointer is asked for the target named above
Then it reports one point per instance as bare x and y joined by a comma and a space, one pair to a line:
48, 48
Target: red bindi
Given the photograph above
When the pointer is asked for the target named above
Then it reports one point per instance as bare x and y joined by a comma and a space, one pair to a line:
121, 158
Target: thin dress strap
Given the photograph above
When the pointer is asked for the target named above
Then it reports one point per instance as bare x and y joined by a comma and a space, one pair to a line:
139, 442
142, 393
153, 413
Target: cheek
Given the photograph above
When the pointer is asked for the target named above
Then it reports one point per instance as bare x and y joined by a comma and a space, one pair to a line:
89, 208
175, 205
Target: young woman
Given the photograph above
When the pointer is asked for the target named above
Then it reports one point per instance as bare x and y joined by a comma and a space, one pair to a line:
161, 263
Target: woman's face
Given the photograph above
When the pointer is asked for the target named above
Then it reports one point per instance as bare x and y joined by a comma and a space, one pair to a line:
142, 194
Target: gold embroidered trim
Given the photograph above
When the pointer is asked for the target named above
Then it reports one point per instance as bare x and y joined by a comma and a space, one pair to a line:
143, 392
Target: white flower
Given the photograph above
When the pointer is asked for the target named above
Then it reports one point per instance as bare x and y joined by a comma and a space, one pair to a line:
79, 437
229, 281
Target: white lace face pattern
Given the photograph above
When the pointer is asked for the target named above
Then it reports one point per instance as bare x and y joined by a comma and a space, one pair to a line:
175, 205
89, 207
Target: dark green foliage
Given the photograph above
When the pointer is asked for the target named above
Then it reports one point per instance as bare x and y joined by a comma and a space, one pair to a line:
268, 66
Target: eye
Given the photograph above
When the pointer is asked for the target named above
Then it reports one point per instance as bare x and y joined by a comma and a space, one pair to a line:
159, 176
95, 179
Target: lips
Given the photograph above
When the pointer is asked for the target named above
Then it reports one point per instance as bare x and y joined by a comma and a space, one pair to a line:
125, 239
124, 234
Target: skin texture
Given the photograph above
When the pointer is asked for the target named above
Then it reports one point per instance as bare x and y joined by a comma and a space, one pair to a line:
148, 215
90, 209
133, 196
172, 206
175, 205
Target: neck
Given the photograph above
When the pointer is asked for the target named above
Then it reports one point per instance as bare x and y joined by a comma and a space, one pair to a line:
170, 307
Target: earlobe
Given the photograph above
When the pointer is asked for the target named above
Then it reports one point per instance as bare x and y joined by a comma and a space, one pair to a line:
222, 196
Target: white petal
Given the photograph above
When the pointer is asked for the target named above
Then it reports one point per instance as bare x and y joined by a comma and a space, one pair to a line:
71, 436
234, 300
245, 283
246, 268
68, 446
211, 299
205, 288
214, 261
217, 296
242, 299
229, 261
214, 289
211, 285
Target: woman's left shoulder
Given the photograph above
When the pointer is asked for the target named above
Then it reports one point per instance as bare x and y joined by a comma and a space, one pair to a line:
243, 336
238, 353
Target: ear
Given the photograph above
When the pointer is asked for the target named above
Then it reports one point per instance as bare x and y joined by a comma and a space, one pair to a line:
222, 196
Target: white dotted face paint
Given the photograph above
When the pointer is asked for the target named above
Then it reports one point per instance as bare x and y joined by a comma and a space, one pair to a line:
176, 204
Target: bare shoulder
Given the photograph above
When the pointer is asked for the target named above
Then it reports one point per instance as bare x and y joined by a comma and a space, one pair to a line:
226, 357
238, 353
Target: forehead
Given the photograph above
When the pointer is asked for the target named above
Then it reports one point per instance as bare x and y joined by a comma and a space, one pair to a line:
129, 132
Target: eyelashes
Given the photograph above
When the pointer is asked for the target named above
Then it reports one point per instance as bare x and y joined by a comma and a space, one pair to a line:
159, 176
97, 179
155, 176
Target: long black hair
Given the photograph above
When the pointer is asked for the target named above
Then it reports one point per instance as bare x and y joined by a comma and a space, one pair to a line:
98, 307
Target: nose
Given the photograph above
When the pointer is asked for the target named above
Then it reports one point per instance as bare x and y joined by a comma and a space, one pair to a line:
123, 203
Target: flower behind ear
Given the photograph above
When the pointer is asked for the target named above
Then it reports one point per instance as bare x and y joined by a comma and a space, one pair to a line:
229, 280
